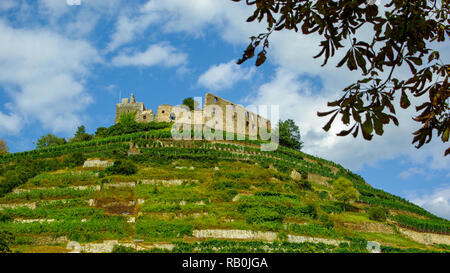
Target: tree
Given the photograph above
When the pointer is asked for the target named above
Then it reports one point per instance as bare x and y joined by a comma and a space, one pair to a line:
81, 135
101, 132
377, 213
49, 140
289, 134
344, 191
4, 149
191, 103
406, 34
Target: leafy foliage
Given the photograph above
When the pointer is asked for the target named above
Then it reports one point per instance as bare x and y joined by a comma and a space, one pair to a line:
75, 159
344, 191
81, 135
122, 167
190, 102
130, 127
101, 132
5, 239
4, 149
289, 134
378, 213
403, 35
127, 119
49, 140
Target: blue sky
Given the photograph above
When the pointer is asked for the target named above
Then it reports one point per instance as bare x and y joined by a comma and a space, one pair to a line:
63, 65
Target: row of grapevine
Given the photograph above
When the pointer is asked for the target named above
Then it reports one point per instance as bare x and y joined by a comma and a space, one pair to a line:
423, 225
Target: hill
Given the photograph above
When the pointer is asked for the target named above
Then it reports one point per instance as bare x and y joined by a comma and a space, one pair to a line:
197, 196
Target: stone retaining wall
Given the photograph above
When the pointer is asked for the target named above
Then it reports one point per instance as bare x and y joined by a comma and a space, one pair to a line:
258, 235
96, 163
425, 238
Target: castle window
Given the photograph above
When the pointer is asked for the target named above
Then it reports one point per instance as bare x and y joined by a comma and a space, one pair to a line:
215, 99
214, 111
163, 111
246, 123
172, 117
144, 117
246, 114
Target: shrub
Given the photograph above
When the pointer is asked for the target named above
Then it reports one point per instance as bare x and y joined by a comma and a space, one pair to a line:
378, 213
261, 214
323, 195
4, 217
157, 228
75, 160
227, 195
357, 243
5, 240
122, 167
304, 184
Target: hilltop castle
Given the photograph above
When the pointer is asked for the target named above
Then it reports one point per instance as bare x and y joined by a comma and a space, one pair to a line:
236, 119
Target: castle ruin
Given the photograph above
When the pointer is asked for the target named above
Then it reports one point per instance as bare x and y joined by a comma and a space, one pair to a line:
216, 112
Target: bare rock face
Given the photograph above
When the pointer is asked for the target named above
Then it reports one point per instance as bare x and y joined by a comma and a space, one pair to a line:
296, 175
319, 179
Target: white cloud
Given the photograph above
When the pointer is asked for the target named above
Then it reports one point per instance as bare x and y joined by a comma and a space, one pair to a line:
190, 16
7, 5
157, 54
74, 20
224, 75
438, 202
44, 73
411, 171
54, 8
128, 28
10, 124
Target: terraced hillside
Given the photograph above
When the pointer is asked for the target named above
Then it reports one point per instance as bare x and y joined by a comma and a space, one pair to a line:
197, 196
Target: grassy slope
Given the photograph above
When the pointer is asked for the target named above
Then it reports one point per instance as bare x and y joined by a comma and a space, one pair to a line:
270, 200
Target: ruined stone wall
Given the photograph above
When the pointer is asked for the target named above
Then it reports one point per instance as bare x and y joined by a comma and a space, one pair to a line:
145, 116
214, 115
241, 120
163, 113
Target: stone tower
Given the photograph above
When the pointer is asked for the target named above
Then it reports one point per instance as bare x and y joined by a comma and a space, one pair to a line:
130, 105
